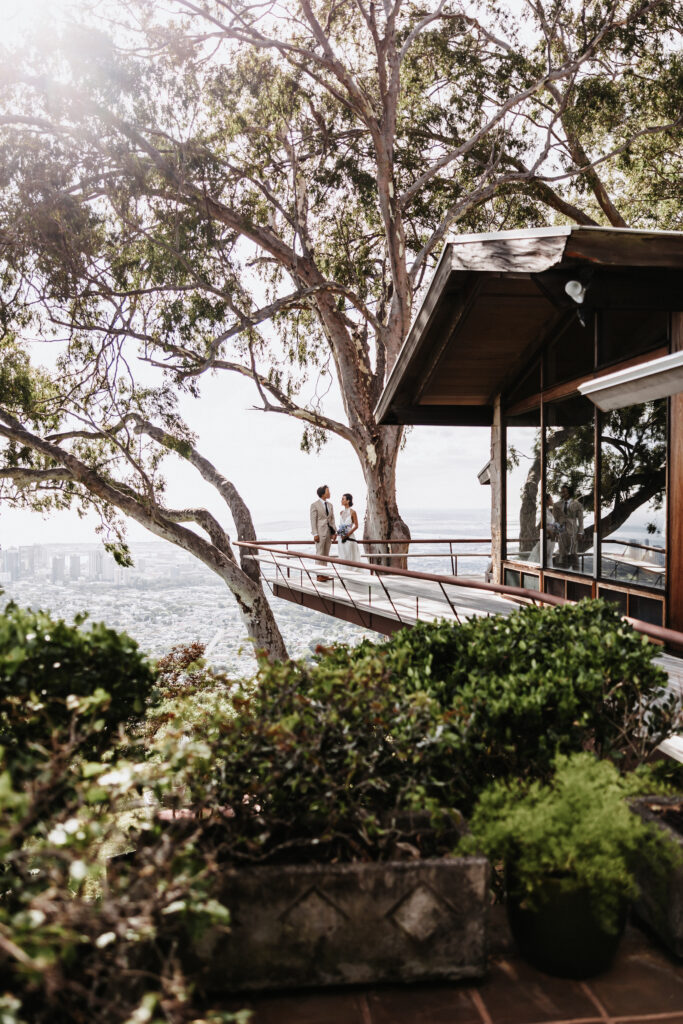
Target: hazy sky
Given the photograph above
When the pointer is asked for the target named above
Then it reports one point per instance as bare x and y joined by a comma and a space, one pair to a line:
260, 453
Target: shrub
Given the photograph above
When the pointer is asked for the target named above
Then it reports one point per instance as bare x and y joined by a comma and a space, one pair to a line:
577, 829
331, 760
79, 945
318, 762
47, 665
540, 681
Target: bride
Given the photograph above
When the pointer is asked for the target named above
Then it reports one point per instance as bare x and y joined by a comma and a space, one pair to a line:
348, 524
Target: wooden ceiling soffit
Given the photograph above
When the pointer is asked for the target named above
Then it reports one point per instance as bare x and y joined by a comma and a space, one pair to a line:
396, 386
462, 304
442, 415
561, 319
616, 287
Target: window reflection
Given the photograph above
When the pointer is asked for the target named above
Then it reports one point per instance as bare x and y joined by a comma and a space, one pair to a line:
633, 494
570, 467
627, 332
571, 352
523, 475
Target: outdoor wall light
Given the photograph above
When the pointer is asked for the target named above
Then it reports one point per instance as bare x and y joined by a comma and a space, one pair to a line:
576, 291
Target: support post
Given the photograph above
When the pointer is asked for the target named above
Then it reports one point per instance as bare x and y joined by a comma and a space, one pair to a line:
497, 477
674, 497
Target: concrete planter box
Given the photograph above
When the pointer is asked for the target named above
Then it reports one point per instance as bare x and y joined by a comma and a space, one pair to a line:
295, 926
660, 905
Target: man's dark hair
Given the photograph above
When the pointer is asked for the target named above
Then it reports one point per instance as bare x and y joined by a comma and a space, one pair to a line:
321, 490
566, 487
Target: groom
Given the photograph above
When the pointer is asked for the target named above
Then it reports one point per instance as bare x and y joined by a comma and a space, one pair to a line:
322, 525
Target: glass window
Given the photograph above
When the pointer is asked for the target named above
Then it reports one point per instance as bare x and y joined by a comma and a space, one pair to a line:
526, 386
570, 470
522, 484
627, 332
633, 494
571, 352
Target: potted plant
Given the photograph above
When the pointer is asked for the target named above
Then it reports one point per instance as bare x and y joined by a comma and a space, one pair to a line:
568, 850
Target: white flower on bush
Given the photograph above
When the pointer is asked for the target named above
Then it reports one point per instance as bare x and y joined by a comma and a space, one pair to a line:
58, 836
105, 939
31, 918
175, 907
78, 870
117, 777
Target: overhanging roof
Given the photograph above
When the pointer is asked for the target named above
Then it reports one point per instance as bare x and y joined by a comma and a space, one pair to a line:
495, 297
657, 378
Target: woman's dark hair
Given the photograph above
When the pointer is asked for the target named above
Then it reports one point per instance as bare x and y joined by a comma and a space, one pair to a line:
349, 498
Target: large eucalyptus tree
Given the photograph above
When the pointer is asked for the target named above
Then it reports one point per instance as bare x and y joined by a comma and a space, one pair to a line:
214, 186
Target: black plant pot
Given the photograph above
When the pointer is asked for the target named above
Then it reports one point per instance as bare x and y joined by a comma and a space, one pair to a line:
561, 936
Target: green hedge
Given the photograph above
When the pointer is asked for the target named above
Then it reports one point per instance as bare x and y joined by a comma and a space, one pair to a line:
64, 693
326, 760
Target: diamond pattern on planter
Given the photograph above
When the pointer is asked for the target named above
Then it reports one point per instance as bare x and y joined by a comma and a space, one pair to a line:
420, 913
313, 915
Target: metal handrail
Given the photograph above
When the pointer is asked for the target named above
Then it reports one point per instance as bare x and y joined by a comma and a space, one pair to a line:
411, 540
633, 544
668, 637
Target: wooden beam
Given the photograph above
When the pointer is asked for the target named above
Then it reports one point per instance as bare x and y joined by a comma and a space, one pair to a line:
328, 606
571, 386
442, 415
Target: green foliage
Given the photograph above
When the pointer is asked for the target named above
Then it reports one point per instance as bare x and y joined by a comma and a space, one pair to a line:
543, 680
331, 760
578, 829
72, 929
61, 685
315, 763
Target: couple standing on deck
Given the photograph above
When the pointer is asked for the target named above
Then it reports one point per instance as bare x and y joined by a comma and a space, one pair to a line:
325, 531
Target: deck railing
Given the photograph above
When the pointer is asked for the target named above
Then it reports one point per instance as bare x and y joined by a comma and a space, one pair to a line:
379, 551
294, 569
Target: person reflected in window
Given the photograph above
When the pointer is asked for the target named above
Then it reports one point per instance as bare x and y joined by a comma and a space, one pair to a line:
550, 535
568, 515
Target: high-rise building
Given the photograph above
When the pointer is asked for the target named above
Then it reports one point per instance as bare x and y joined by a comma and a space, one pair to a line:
75, 566
58, 562
11, 563
95, 564
39, 557
27, 560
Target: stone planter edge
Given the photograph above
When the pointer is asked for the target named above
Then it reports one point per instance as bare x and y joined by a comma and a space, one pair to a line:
338, 924
660, 903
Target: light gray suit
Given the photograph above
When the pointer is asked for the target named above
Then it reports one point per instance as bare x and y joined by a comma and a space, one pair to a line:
322, 525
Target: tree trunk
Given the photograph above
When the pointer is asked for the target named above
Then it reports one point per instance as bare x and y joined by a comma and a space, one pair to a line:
258, 617
528, 512
382, 518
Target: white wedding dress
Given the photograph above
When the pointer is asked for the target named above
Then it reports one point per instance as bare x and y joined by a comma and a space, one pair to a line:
349, 549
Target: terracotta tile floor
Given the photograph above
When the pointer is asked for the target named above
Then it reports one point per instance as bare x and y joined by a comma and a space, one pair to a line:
644, 986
